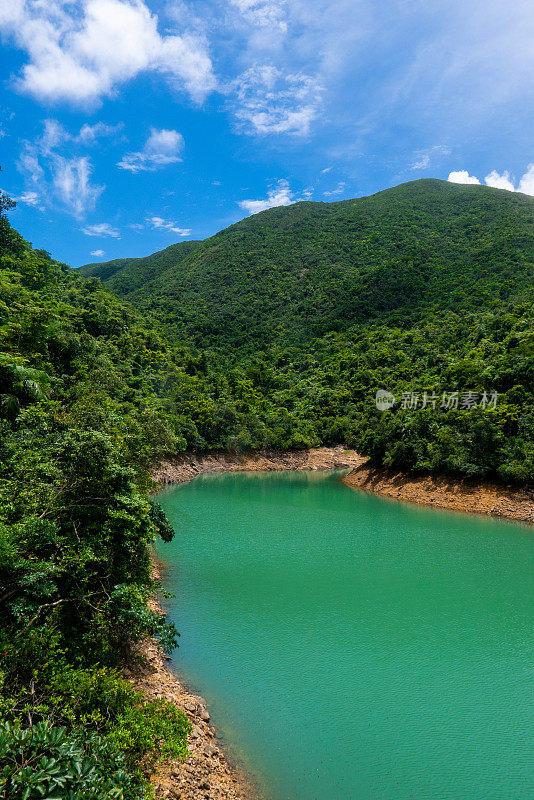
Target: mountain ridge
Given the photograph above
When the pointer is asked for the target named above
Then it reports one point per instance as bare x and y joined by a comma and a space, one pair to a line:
296, 272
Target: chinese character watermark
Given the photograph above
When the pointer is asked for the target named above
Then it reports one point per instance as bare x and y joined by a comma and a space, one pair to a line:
446, 401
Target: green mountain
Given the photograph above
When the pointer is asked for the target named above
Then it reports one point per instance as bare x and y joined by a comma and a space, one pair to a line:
125, 275
424, 291
293, 273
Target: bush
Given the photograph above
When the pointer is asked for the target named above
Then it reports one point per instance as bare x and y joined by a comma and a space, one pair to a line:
44, 761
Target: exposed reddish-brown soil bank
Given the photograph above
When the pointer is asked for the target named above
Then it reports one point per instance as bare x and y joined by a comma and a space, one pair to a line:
206, 774
183, 468
475, 496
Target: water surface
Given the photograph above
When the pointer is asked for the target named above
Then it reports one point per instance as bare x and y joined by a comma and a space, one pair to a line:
351, 647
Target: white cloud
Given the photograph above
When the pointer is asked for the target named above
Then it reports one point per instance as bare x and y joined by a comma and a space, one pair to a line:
29, 198
55, 176
270, 101
101, 229
162, 147
97, 253
90, 134
279, 195
80, 55
71, 179
526, 184
263, 13
29, 164
462, 176
340, 188
423, 158
422, 162
499, 180
160, 224
68, 179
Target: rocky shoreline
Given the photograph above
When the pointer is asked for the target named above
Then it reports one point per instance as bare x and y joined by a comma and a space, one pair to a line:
455, 494
466, 495
183, 468
208, 773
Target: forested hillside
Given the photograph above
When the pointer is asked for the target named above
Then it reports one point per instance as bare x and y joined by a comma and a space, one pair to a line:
308, 310
292, 273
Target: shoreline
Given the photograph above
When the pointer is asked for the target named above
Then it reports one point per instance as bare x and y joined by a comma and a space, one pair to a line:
471, 496
209, 772
184, 468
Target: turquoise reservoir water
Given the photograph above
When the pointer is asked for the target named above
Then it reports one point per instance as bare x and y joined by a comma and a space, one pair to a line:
352, 647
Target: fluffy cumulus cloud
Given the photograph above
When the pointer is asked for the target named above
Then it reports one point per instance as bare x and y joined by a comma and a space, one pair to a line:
162, 147
97, 253
462, 176
498, 180
279, 195
267, 100
102, 230
160, 224
81, 52
51, 176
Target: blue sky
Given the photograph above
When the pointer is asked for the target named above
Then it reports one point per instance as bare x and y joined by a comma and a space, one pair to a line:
128, 125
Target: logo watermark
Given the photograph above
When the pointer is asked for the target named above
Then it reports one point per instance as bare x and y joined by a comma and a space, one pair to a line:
445, 401
384, 400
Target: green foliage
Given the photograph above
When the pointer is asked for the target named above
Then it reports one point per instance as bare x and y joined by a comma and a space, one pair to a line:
42, 761
294, 273
311, 308
83, 414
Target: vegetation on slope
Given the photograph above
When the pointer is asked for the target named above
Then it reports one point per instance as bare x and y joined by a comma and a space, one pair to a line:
309, 309
294, 273
79, 423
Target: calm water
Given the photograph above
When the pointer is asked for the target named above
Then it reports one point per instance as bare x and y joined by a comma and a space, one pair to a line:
351, 647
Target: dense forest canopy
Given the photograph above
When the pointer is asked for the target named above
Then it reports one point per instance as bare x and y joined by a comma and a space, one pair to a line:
275, 333
309, 309
293, 273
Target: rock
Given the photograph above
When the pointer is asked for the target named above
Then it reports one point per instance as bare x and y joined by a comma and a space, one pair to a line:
204, 714
210, 750
189, 706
